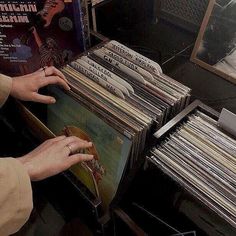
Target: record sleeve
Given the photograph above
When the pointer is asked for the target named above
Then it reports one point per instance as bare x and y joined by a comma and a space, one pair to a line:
200, 156
113, 148
39, 33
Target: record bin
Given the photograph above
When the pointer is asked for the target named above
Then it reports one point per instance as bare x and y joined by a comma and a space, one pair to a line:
68, 195
154, 199
222, 223
65, 191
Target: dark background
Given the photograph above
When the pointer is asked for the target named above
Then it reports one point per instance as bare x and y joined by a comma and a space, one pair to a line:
166, 31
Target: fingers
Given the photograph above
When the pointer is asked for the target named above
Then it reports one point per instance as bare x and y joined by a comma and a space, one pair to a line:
75, 146
54, 71
56, 139
76, 158
49, 143
53, 141
54, 80
40, 69
72, 139
52, 157
43, 99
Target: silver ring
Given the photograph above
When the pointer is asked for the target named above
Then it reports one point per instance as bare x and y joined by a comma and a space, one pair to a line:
70, 149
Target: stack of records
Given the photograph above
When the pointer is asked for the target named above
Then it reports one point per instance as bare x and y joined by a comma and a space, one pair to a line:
130, 90
118, 98
201, 157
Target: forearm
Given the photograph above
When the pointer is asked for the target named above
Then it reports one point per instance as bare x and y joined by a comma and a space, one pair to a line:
15, 196
5, 88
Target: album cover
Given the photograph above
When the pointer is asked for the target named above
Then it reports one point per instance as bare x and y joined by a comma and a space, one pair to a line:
112, 148
38, 33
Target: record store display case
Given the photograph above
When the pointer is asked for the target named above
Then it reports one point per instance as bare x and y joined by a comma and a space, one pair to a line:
148, 201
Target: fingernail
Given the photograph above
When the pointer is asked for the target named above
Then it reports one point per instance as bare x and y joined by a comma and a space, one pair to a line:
53, 100
90, 144
67, 87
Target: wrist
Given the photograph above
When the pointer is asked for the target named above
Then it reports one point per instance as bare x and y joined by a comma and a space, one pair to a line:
12, 91
28, 167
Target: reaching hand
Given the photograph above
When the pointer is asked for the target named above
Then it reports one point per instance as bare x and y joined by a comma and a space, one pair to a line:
54, 156
26, 87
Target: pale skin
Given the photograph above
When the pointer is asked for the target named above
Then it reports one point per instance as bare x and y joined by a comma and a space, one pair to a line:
54, 156
57, 154
26, 87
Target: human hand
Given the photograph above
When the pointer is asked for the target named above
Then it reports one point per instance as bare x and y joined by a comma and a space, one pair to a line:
54, 156
26, 87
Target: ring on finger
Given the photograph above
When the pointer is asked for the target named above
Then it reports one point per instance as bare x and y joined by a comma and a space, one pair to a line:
70, 149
